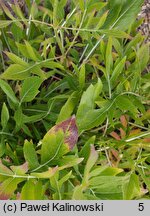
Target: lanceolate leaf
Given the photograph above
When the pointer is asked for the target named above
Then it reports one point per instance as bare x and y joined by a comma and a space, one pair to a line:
8, 187
69, 106
8, 91
9, 179
4, 115
20, 170
88, 99
16, 59
30, 155
30, 89
15, 72
90, 163
122, 13
124, 103
47, 174
5, 23
132, 188
32, 190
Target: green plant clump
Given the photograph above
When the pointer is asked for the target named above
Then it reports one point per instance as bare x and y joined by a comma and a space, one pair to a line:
74, 101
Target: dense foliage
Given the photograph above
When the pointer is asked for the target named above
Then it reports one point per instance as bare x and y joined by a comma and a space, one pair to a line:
74, 101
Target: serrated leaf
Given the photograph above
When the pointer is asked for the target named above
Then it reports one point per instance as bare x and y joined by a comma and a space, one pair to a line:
30, 89
4, 116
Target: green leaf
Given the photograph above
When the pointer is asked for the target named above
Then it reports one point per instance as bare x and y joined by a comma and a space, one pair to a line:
132, 188
5, 170
81, 4
6, 10
91, 119
21, 169
118, 69
108, 187
30, 155
32, 190
85, 151
69, 106
15, 72
23, 50
78, 193
16, 59
28, 191
88, 99
5, 23
8, 186
64, 179
30, 89
51, 64
143, 56
4, 116
18, 117
31, 52
124, 103
109, 59
82, 76
90, 163
8, 91
122, 13
68, 161
105, 171
59, 140
47, 174
102, 20
114, 33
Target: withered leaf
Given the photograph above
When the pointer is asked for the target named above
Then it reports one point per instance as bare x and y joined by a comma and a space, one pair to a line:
70, 130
